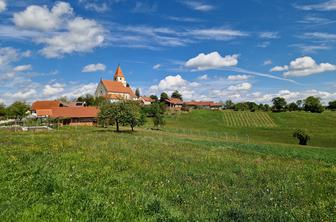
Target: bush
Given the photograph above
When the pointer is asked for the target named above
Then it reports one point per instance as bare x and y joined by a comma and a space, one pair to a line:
302, 137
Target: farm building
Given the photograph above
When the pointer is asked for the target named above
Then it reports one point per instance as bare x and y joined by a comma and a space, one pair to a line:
174, 104
203, 105
116, 89
146, 100
68, 114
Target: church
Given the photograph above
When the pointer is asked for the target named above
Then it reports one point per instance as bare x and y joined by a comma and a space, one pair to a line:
116, 89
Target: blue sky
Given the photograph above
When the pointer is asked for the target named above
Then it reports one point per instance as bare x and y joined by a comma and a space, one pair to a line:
209, 50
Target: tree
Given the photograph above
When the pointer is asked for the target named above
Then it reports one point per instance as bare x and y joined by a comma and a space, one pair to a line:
18, 110
241, 107
301, 136
279, 104
299, 103
332, 105
163, 96
63, 99
157, 114
313, 104
293, 107
88, 99
137, 92
229, 104
154, 97
2, 110
125, 113
176, 95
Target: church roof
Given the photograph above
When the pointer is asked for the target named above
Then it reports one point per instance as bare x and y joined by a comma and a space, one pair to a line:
118, 73
117, 87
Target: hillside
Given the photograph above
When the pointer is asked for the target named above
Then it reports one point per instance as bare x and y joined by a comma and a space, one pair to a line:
258, 127
182, 173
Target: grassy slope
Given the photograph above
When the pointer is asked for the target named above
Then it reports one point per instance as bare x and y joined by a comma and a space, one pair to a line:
321, 127
95, 174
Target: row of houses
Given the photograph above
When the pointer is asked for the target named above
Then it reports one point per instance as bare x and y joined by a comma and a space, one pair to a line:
76, 113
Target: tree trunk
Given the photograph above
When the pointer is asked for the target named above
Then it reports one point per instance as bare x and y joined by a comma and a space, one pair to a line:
117, 123
132, 128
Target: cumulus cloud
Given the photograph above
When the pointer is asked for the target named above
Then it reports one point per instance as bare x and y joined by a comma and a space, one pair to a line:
241, 87
94, 68
95, 6
211, 61
20, 95
59, 30
268, 62
2, 5
203, 77
8, 55
269, 35
41, 18
304, 66
238, 77
23, 68
53, 89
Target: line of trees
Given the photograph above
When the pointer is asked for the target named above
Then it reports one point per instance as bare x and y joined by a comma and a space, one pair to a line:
279, 104
17, 110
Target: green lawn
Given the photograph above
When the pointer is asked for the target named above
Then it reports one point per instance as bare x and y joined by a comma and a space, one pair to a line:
93, 174
258, 127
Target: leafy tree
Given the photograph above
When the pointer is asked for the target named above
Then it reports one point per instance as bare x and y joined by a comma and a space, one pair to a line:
125, 113
176, 95
293, 107
137, 92
241, 107
2, 110
229, 104
332, 105
88, 99
18, 110
279, 104
154, 97
313, 104
164, 96
99, 101
302, 137
267, 107
157, 114
252, 106
63, 99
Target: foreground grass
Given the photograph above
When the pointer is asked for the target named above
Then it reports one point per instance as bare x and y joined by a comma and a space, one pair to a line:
93, 174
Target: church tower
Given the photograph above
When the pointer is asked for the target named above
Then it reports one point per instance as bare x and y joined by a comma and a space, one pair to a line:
119, 76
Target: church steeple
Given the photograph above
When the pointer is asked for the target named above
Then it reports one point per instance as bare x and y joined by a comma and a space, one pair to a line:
119, 76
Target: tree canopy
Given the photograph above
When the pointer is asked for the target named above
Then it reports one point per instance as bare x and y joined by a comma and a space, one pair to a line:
313, 104
177, 95
18, 110
279, 104
164, 96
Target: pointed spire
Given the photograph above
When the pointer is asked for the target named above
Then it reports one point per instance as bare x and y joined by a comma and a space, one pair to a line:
118, 73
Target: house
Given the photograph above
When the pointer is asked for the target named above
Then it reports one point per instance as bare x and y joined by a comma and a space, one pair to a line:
116, 89
174, 103
203, 105
146, 100
68, 114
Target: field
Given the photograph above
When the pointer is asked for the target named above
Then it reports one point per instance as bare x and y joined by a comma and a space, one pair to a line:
190, 171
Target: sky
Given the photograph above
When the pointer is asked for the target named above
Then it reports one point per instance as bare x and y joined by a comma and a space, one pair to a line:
242, 50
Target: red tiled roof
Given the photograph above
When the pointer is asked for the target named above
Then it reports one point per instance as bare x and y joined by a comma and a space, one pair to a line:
46, 104
203, 103
174, 101
69, 112
117, 87
118, 73
147, 99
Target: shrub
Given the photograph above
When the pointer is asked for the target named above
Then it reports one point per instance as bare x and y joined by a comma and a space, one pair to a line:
302, 137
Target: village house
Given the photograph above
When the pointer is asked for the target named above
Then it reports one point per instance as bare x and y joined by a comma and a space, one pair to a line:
146, 100
116, 89
72, 114
174, 104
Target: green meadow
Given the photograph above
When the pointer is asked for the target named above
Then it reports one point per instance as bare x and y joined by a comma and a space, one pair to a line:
202, 166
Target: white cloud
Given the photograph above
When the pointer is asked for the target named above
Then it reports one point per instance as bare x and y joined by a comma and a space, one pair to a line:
82, 36
241, 87
41, 18
23, 68
203, 77
211, 61
305, 66
198, 6
94, 6
94, 68
50, 90
268, 62
219, 34
157, 66
323, 6
320, 36
8, 55
3, 5
238, 77
279, 68
269, 35
20, 95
